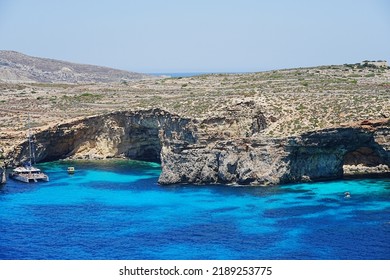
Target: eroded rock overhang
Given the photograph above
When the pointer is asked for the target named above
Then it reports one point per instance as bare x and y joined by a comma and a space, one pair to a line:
137, 135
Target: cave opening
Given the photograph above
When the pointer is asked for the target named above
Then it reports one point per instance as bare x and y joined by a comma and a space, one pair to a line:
141, 143
363, 161
145, 151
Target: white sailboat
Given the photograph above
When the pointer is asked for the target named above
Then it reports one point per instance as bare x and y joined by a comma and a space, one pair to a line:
28, 173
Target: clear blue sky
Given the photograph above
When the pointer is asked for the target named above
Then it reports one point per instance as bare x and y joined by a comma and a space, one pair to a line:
198, 35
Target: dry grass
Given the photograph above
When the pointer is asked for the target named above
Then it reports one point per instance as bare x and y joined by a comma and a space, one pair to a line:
293, 101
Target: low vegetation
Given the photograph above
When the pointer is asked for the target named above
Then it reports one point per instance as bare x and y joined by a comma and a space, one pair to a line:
293, 101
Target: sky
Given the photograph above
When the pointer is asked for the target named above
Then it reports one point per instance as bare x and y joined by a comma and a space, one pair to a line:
171, 36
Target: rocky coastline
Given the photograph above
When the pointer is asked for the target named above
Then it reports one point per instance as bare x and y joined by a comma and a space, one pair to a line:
190, 155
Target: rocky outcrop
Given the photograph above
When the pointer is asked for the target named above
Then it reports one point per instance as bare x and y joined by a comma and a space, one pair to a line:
191, 152
322, 154
361, 170
260, 161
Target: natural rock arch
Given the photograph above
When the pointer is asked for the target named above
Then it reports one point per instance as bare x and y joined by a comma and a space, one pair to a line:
329, 153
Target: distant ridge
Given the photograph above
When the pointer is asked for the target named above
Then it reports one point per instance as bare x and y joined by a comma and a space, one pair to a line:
16, 67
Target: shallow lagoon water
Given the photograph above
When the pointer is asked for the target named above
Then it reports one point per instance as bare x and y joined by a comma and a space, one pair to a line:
116, 210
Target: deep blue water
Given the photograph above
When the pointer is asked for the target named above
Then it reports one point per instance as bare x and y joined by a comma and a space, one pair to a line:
116, 210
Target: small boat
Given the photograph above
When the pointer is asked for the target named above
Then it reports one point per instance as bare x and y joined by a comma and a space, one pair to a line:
71, 170
28, 173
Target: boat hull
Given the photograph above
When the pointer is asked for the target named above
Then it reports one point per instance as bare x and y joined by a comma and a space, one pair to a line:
29, 179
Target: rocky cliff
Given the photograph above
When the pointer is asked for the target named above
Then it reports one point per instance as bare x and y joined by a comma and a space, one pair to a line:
256, 160
191, 152
137, 135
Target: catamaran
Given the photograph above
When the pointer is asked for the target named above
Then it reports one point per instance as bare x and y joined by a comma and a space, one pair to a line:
28, 173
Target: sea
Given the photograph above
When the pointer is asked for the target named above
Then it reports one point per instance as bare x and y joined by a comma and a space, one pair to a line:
180, 74
116, 210
193, 74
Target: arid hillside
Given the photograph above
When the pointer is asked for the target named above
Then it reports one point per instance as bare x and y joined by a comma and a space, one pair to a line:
17, 67
286, 102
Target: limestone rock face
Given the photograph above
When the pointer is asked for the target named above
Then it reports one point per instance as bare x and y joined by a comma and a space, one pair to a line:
259, 161
136, 135
224, 161
191, 151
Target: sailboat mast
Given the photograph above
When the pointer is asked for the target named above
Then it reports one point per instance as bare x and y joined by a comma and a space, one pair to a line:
29, 140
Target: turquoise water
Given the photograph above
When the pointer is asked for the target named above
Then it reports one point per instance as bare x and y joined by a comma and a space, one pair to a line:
116, 210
